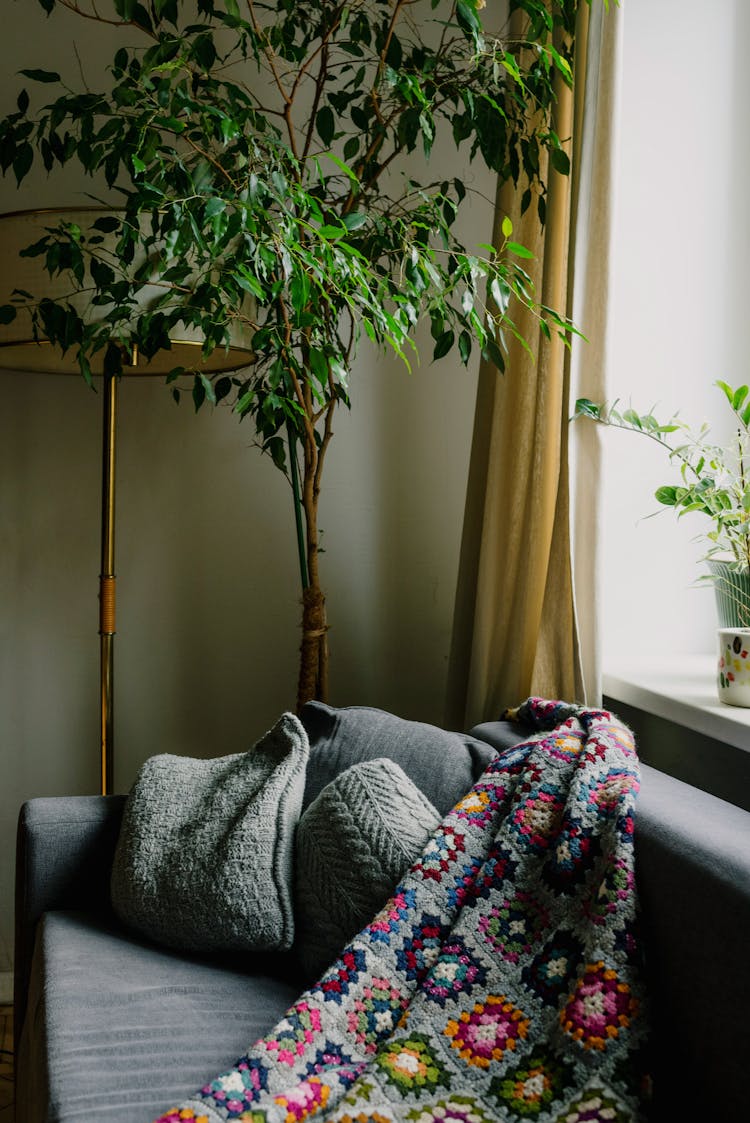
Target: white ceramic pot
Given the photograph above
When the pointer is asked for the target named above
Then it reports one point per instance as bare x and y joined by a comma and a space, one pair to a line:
733, 677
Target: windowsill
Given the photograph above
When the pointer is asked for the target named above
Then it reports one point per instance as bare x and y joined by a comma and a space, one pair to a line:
681, 691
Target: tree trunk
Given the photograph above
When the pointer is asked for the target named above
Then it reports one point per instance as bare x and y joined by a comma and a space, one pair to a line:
313, 666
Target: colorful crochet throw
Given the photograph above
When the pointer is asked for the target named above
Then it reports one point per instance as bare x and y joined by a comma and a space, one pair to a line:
500, 982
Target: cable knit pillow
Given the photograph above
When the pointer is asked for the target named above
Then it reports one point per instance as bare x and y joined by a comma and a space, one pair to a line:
354, 843
205, 853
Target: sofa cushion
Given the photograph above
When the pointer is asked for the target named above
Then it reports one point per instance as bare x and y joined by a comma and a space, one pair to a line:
354, 843
119, 1030
204, 857
443, 765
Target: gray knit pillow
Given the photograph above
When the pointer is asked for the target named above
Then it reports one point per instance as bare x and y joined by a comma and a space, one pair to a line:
354, 843
204, 857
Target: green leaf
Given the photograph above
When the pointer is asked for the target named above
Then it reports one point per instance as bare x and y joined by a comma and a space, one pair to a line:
351, 148
560, 161
208, 388
667, 496
108, 224
491, 353
739, 396
204, 51
325, 124
199, 392
22, 162
586, 408
507, 227
501, 294
319, 365
467, 18
344, 167
443, 345
85, 368
331, 232
214, 206
728, 391
354, 221
41, 75
518, 250
7, 314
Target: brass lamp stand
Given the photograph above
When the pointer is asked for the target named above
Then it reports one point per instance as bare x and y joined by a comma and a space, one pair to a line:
107, 587
21, 353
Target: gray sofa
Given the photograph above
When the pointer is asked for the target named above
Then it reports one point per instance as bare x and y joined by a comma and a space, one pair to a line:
110, 1027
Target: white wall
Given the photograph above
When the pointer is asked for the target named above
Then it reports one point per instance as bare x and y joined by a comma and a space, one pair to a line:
681, 298
206, 650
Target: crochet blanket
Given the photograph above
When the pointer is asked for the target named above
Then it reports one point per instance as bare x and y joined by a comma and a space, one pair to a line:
500, 982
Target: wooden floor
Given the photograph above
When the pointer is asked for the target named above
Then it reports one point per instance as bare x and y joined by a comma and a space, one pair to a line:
6, 1064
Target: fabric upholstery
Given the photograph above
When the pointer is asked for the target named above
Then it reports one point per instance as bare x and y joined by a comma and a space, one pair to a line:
500, 982
693, 874
111, 1018
204, 859
443, 765
64, 853
693, 868
354, 843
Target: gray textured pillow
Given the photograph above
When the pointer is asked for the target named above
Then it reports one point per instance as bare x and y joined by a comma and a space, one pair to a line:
205, 853
354, 843
443, 765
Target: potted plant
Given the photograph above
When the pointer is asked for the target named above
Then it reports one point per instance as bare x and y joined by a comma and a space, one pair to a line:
711, 480
280, 150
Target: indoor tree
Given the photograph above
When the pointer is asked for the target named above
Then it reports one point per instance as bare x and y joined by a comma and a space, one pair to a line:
261, 155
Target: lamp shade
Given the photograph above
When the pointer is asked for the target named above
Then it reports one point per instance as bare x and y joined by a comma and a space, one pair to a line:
20, 351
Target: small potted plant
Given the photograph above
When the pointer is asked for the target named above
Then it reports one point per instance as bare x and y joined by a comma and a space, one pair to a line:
712, 480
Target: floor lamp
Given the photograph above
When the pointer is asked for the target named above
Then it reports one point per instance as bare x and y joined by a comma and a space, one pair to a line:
21, 353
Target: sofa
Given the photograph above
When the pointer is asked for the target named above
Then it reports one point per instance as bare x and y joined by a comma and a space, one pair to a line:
112, 1026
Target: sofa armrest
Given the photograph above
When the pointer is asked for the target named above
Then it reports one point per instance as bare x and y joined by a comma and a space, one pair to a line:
692, 854
64, 852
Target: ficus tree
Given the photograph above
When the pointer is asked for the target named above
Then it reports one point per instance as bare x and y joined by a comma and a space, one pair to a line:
262, 155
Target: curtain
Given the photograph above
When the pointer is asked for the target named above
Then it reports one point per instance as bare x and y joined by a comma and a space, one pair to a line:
525, 611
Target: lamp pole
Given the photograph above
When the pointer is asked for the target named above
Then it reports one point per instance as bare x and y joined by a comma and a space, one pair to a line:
107, 584
23, 350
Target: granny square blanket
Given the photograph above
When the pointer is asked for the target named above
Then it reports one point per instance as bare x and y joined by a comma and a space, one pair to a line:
501, 981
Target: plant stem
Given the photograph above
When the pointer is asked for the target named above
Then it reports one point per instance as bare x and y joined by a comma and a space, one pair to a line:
294, 476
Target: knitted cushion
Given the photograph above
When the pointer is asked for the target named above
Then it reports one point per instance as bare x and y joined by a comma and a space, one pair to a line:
204, 857
354, 843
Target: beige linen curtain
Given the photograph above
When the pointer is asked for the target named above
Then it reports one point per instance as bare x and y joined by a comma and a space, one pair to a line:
516, 629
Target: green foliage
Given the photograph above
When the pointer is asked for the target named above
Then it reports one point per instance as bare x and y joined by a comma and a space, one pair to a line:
257, 151
233, 190
713, 480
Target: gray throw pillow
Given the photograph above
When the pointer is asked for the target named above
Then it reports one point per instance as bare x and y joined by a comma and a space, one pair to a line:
442, 764
205, 853
353, 845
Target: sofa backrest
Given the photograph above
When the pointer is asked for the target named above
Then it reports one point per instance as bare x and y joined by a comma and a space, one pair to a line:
443, 765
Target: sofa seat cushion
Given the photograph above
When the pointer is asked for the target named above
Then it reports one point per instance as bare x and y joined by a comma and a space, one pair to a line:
112, 1021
